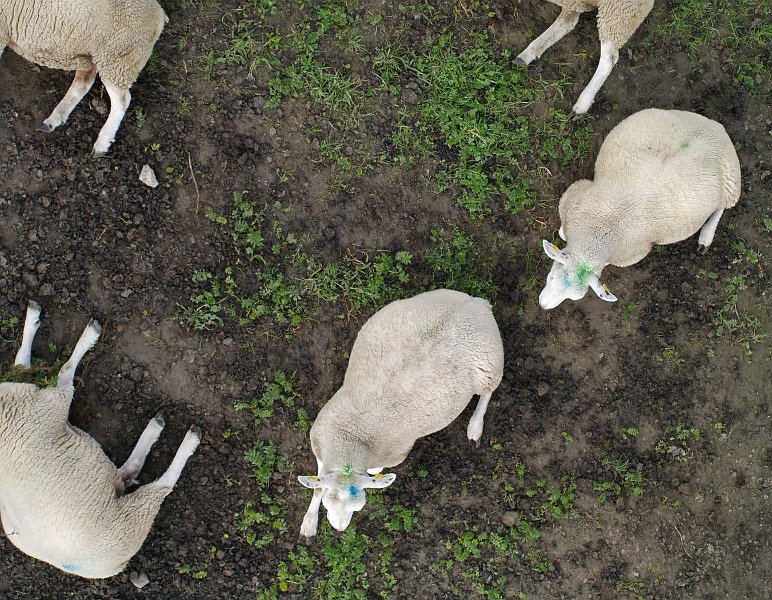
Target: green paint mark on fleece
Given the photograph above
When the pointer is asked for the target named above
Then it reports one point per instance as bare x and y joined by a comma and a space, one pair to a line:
685, 144
347, 470
583, 273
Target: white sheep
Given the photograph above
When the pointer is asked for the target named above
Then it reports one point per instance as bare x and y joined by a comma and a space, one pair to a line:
113, 37
61, 499
660, 176
413, 368
617, 22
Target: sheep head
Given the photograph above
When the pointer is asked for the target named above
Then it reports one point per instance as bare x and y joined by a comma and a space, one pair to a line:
569, 279
343, 492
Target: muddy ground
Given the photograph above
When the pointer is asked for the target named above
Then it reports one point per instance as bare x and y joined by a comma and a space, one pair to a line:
86, 239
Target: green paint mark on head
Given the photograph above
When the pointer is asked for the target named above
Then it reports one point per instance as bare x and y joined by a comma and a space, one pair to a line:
583, 274
347, 470
685, 144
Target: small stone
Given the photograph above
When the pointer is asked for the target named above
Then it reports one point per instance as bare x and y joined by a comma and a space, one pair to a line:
509, 518
147, 176
542, 389
139, 580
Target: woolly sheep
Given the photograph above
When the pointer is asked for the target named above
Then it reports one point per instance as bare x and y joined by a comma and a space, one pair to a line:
413, 368
61, 499
660, 176
617, 22
114, 37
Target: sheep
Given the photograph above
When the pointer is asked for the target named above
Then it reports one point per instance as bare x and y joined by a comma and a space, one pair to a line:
113, 37
61, 499
412, 370
660, 176
617, 21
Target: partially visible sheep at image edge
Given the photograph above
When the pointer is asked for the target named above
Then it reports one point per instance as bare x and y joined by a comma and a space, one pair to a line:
617, 22
112, 37
413, 368
61, 499
660, 176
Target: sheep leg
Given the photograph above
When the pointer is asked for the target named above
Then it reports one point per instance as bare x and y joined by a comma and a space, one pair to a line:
566, 21
31, 324
707, 232
311, 518
475, 427
136, 460
79, 88
609, 55
119, 102
184, 452
86, 341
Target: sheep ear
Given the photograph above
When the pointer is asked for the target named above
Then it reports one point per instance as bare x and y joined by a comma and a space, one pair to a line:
312, 481
377, 481
554, 252
601, 289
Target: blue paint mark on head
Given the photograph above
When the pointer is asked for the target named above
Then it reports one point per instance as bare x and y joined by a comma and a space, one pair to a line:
71, 568
353, 491
566, 280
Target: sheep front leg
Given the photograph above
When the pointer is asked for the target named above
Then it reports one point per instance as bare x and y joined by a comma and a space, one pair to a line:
86, 341
119, 103
133, 465
475, 428
609, 55
566, 21
31, 324
79, 88
708, 231
311, 518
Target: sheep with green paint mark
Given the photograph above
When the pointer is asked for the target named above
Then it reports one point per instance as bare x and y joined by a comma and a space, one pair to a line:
660, 176
62, 500
413, 368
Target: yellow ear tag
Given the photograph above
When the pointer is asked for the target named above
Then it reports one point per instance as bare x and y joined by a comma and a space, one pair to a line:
379, 476
313, 478
555, 248
605, 288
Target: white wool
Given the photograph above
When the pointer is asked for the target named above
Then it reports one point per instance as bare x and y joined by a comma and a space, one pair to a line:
660, 176
112, 37
413, 368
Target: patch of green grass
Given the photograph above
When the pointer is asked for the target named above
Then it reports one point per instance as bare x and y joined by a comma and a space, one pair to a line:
694, 23
627, 312
280, 390
677, 442
624, 478
458, 262
471, 104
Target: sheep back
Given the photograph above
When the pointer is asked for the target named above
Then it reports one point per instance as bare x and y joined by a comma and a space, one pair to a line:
413, 368
659, 175
116, 36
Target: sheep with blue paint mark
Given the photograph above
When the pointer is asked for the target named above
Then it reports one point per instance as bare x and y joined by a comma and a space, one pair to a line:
412, 370
660, 176
61, 499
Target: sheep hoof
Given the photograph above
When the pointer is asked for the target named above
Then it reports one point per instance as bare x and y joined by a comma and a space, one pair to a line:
308, 540
159, 420
702, 249
45, 127
520, 62
196, 430
575, 116
98, 153
94, 324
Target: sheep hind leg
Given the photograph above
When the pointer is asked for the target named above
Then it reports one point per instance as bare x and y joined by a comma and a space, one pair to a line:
475, 428
86, 341
31, 324
566, 21
311, 518
609, 55
79, 88
119, 103
133, 465
708, 231
184, 452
